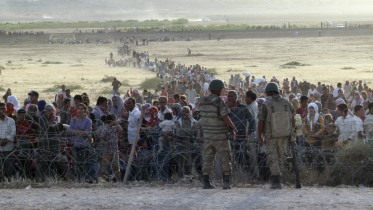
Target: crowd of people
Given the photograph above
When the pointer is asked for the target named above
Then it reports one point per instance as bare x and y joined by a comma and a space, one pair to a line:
73, 139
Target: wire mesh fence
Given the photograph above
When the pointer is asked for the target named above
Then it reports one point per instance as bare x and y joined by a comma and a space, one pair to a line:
52, 156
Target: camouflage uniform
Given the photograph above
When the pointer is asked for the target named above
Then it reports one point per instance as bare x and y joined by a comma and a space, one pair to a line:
215, 134
276, 147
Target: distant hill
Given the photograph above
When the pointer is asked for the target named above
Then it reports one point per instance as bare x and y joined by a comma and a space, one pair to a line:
99, 10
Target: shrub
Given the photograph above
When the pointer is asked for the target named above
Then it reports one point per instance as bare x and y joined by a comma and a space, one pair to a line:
287, 67
197, 54
347, 68
292, 64
125, 83
151, 83
52, 62
212, 70
233, 70
106, 91
107, 78
55, 88
354, 166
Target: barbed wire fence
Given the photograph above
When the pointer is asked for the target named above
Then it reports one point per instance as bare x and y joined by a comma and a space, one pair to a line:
51, 156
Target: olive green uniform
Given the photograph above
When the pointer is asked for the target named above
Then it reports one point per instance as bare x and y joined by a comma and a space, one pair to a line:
276, 147
215, 131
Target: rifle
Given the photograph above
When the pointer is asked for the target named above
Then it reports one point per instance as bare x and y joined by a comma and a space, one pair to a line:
293, 157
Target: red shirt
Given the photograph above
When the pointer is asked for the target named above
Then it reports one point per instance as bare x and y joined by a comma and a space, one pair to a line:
303, 112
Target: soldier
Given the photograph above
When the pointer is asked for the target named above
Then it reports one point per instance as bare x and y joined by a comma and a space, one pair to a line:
215, 123
276, 120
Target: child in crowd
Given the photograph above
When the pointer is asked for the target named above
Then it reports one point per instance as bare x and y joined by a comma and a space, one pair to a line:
108, 147
167, 127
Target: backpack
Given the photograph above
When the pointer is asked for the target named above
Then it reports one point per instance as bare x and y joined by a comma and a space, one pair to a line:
279, 117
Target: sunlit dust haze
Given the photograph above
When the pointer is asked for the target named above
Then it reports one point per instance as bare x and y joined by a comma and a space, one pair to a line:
233, 11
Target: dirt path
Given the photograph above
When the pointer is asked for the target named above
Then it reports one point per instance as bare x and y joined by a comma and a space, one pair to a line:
173, 197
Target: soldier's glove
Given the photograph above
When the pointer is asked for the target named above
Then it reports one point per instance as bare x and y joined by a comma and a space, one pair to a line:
293, 143
293, 138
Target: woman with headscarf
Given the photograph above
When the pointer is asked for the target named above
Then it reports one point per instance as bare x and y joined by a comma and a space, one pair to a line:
151, 118
12, 99
358, 100
115, 106
176, 110
10, 111
314, 126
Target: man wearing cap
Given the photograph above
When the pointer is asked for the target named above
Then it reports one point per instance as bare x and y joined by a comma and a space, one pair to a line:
34, 98
276, 122
215, 124
7, 134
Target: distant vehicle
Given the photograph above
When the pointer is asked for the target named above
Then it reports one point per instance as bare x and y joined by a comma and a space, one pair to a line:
340, 25
205, 19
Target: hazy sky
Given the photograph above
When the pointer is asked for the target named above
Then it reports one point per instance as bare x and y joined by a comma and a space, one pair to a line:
280, 10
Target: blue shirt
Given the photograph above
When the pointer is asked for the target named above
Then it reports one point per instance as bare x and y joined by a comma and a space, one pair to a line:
84, 124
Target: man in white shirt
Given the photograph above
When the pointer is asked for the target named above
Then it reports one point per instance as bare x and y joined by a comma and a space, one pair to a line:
368, 124
133, 118
206, 88
335, 91
359, 114
191, 94
163, 108
346, 125
347, 88
312, 91
7, 134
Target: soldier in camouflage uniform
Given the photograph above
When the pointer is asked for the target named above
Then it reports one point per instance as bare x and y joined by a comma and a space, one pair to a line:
215, 124
270, 127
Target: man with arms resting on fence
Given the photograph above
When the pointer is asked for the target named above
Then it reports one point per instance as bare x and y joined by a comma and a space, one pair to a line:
7, 134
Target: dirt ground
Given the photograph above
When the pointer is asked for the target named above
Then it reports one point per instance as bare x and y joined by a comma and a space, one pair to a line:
174, 197
328, 59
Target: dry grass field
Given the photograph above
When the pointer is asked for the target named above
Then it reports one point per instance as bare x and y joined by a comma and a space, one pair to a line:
42, 67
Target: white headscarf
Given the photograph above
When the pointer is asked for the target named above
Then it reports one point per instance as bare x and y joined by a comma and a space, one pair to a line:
316, 118
116, 110
14, 101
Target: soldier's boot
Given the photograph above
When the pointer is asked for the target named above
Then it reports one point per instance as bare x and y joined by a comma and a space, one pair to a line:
206, 182
276, 182
226, 182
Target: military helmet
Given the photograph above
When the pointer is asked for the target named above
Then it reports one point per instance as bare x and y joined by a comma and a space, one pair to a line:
272, 87
216, 85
